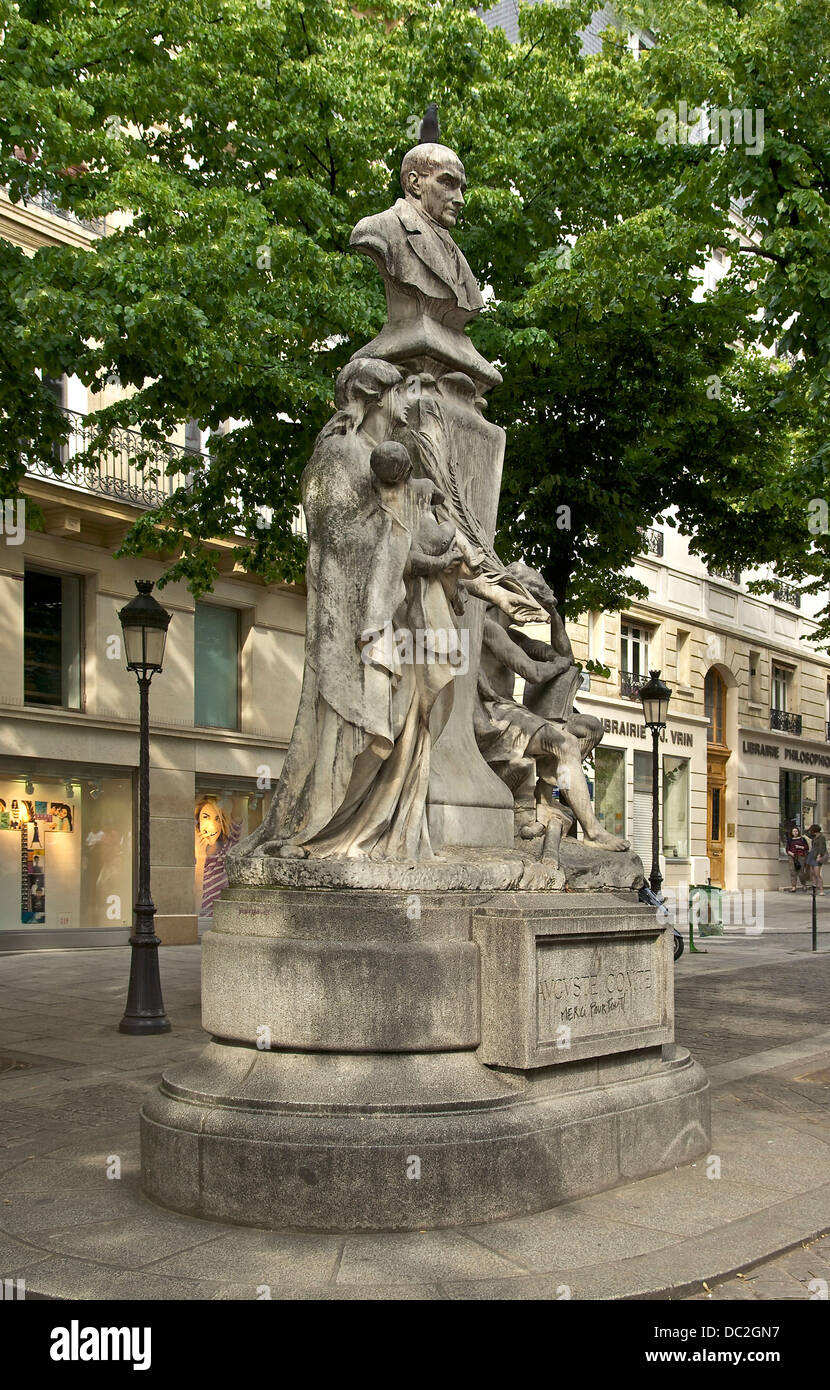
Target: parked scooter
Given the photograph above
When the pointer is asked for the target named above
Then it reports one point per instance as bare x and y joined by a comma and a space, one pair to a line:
647, 896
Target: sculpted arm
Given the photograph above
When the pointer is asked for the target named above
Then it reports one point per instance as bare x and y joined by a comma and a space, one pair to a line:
511, 655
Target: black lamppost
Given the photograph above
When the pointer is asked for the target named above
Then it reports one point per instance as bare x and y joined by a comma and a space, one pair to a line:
655, 695
144, 623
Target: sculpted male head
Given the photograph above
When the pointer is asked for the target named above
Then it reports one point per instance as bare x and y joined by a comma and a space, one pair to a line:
433, 178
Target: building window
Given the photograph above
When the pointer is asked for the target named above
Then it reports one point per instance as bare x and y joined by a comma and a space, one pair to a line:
781, 716
634, 644
684, 657
755, 677
714, 701
609, 783
676, 808
192, 437
52, 639
216, 667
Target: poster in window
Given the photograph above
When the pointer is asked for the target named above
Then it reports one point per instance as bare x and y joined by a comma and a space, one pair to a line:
61, 814
33, 880
219, 824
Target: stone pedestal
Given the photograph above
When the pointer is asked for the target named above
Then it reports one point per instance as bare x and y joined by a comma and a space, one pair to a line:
395, 1061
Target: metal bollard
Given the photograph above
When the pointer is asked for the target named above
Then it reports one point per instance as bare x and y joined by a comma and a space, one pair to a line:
815, 927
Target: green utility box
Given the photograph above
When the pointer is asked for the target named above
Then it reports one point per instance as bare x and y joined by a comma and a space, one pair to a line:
706, 909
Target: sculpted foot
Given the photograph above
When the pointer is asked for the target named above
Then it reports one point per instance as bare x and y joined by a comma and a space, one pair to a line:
604, 840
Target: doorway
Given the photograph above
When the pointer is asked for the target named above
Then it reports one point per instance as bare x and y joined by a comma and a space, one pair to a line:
717, 756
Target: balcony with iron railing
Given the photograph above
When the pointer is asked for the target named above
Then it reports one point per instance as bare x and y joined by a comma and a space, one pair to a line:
787, 593
652, 540
46, 202
131, 468
631, 685
784, 721
732, 573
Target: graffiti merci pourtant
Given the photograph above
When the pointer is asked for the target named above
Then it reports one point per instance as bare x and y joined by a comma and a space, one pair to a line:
590, 996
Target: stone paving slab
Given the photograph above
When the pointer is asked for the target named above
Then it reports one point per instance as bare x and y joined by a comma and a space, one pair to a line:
758, 1014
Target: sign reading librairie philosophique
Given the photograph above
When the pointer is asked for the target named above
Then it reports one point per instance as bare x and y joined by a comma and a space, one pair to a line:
803, 756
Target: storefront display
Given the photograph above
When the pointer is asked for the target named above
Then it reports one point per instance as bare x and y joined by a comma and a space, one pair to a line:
609, 801
675, 808
65, 852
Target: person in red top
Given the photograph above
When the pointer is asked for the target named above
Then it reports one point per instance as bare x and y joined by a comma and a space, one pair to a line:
797, 851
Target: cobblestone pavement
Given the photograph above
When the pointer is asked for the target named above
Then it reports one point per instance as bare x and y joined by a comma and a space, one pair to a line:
754, 1009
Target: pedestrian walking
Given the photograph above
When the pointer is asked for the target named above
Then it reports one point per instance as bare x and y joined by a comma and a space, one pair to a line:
797, 851
816, 857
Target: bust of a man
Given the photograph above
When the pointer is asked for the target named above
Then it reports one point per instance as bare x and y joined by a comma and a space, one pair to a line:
411, 245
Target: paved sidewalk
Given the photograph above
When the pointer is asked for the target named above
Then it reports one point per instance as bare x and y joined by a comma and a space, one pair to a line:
753, 1009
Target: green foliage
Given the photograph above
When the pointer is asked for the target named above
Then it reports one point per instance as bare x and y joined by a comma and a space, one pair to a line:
234, 146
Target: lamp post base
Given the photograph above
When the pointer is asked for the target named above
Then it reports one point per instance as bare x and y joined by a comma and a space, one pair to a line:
145, 1011
156, 1024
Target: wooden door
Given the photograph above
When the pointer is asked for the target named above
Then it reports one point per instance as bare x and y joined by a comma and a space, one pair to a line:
716, 814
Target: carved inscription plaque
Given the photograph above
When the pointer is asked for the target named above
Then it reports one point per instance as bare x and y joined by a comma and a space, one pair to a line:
593, 989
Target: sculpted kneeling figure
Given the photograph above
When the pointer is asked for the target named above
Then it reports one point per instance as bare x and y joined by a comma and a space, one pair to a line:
539, 745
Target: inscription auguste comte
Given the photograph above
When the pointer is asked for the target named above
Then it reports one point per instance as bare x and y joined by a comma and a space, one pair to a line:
589, 996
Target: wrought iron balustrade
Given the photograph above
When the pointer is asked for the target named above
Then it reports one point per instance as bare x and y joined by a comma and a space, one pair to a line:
732, 573
785, 721
787, 593
631, 685
45, 200
652, 540
131, 467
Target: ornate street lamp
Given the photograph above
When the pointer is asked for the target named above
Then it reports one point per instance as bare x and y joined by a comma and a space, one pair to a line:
655, 695
144, 624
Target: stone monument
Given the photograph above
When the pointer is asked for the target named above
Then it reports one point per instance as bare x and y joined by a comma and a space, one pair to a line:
430, 1004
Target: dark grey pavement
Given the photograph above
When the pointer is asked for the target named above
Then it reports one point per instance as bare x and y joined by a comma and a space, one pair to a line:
754, 1009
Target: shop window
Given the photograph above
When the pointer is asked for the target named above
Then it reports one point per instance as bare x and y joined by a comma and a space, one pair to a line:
609, 782
52, 639
216, 667
66, 856
641, 828
714, 700
789, 804
222, 819
675, 808
815, 802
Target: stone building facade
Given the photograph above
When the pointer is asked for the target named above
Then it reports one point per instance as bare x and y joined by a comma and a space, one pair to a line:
746, 749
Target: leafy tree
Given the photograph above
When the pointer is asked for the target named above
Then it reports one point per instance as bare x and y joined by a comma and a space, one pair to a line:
241, 142
767, 60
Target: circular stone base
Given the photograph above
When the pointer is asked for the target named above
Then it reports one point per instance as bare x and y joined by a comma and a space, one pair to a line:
343, 1142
